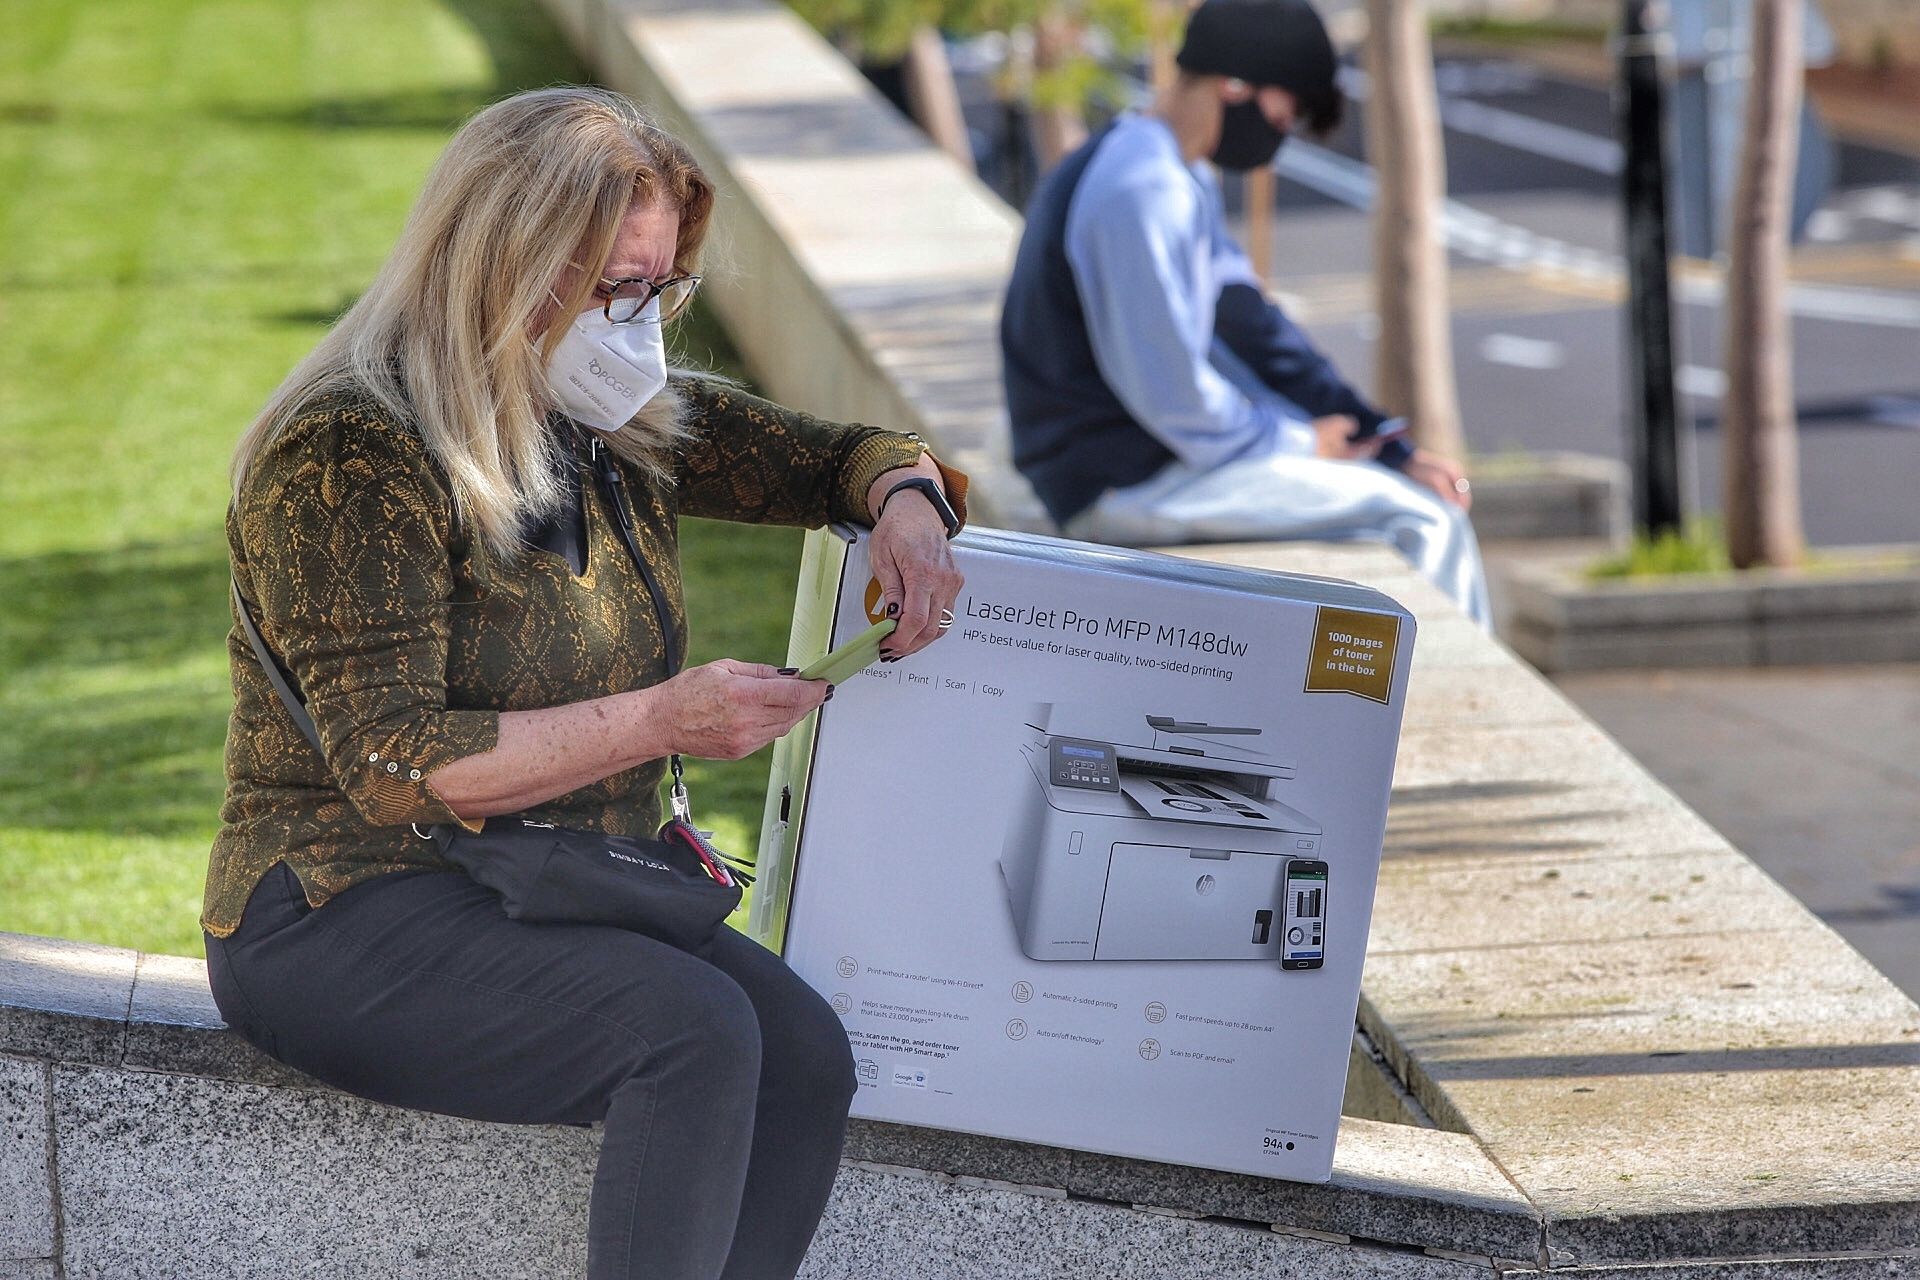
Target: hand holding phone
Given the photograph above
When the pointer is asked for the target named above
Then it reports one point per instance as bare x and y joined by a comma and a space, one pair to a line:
1391, 429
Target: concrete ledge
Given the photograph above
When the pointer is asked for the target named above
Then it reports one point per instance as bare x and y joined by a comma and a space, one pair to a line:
1561, 621
179, 1158
1551, 496
1392, 1183
982, 1231
163, 1145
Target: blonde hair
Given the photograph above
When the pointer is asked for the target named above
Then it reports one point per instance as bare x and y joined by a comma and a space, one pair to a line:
440, 339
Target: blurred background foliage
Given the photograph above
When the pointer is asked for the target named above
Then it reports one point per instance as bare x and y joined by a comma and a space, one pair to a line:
1100, 36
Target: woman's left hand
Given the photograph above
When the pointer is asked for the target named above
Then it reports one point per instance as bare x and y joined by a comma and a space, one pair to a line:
915, 569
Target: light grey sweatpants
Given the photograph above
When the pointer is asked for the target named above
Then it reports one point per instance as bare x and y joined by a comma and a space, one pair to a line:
1288, 497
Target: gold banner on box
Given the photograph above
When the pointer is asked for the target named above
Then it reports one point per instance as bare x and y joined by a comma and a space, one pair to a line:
1353, 652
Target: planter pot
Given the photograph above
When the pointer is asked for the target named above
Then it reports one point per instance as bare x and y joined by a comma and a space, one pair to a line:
1555, 495
1560, 620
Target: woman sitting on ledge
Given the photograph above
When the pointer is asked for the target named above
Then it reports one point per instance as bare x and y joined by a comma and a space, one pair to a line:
414, 536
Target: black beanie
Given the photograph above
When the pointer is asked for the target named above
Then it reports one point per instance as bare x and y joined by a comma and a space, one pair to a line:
1277, 42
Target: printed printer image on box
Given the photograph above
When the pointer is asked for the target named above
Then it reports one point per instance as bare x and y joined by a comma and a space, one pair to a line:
1095, 869
1145, 837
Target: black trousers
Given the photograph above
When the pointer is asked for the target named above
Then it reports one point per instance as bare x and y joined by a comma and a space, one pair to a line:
723, 1083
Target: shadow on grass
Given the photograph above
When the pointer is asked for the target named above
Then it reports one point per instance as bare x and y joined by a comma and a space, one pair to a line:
432, 110
113, 688
321, 316
28, 113
147, 603
523, 44
524, 48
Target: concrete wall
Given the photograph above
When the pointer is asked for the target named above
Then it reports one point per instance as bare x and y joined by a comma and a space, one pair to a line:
139, 1138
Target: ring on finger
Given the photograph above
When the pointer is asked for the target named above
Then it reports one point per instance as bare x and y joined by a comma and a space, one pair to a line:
946, 619
1461, 485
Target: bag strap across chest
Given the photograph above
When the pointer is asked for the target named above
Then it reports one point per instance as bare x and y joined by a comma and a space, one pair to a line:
614, 487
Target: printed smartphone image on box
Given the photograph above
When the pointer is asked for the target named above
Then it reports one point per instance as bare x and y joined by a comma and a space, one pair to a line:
1303, 945
1140, 836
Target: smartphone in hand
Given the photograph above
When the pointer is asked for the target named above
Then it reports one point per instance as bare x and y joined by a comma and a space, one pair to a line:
852, 657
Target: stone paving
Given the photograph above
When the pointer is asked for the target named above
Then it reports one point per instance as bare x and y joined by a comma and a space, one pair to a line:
1814, 772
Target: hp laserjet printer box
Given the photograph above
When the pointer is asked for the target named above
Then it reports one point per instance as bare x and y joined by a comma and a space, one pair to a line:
1095, 869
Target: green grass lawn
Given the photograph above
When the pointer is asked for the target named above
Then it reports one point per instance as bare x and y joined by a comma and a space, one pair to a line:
189, 191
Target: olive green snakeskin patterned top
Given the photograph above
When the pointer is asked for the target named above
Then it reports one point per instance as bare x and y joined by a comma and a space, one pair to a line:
407, 646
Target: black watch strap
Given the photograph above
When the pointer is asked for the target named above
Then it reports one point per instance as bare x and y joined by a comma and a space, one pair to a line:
931, 488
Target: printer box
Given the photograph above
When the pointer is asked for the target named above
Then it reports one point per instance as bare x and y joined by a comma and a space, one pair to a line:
1095, 869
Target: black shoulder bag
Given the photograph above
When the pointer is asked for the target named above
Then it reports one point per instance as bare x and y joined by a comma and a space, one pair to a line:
677, 887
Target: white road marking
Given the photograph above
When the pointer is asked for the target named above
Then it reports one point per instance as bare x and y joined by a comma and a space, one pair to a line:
1484, 238
1693, 380
1486, 78
1496, 124
1522, 353
1846, 303
1895, 411
1539, 137
1898, 204
1828, 226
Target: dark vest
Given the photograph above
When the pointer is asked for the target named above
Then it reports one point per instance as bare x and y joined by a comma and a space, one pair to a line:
1072, 438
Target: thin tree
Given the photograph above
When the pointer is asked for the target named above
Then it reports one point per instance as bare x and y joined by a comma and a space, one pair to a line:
1762, 465
1058, 123
1413, 356
932, 95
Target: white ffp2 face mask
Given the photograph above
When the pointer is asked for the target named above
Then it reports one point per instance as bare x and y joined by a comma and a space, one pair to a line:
602, 372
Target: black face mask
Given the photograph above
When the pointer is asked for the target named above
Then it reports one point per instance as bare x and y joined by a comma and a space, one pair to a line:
1247, 141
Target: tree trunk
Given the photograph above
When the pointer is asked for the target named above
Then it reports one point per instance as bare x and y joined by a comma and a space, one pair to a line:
1762, 487
1057, 130
933, 97
1163, 18
1259, 210
1413, 361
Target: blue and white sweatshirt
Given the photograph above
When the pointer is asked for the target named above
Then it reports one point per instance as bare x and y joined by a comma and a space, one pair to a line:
1135, 332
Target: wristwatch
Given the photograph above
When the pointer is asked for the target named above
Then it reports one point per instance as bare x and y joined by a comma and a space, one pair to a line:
931, 488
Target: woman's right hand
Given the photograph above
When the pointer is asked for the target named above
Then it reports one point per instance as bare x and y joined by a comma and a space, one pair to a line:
727, 710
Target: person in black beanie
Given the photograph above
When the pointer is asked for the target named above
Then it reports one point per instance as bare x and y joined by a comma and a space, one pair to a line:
1157, 394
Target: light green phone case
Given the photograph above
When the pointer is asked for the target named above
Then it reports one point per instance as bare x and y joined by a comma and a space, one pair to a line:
860, 652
